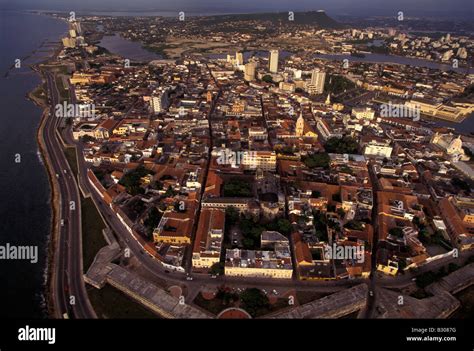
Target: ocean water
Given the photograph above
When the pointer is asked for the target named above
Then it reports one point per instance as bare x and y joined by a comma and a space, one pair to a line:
25, 212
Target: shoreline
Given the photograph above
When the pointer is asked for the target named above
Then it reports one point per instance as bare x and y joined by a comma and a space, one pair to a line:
54, 229
54, 193
54, 196
423, 62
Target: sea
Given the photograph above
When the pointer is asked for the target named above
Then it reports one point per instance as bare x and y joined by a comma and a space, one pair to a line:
25, 212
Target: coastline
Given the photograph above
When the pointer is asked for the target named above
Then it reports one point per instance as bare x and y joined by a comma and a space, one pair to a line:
54, 193
422, 62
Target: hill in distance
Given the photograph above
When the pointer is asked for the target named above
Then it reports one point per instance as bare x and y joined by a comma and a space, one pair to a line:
316, 18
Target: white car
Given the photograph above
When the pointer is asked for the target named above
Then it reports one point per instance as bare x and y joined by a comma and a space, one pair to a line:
62, 222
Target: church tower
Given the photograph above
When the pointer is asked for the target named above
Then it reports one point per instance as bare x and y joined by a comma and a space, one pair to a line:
300, 125
328, 99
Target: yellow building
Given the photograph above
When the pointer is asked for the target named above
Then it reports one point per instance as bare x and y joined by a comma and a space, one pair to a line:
303, 129
174, 228
80, 78
391, 268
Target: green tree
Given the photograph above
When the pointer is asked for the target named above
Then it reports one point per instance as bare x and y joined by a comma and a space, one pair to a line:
396, 231
320, 225
344, 145
336, 84
131, 180
254, 301
231, 215
267, 78
217, 269
319, 160
152, 221
237, 188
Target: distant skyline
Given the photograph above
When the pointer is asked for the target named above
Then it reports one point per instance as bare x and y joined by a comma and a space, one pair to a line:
419, 8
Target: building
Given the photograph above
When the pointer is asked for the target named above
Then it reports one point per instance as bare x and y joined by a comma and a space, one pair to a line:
303, 129
441, 111
273, 262
239, 203
249, 71
69, 42
458, 215
264, 160
258, 133
76, 26
239, 58
159, 101
316, 85
174, 228
273, 62
287, 86
378, 149
209, 237
363, 113
451, 144
328, 130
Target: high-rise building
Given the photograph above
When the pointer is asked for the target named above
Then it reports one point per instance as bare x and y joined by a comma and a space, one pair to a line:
316, 85
77, 27
273, 64
239, 58
249, 74
159, 101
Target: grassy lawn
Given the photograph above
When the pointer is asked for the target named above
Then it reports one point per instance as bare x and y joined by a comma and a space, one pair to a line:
92, 223
63, 93
70, 153
39, 94
92, 237
110, 302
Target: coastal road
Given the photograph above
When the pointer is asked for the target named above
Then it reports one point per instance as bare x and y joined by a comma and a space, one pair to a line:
69, 292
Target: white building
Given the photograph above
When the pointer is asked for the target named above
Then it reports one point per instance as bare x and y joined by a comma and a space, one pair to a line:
316, 85
363, 113
273, 64
378, 149
249, 71
264, 160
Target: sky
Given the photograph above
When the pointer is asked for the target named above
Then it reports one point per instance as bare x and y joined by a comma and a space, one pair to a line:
420, 8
